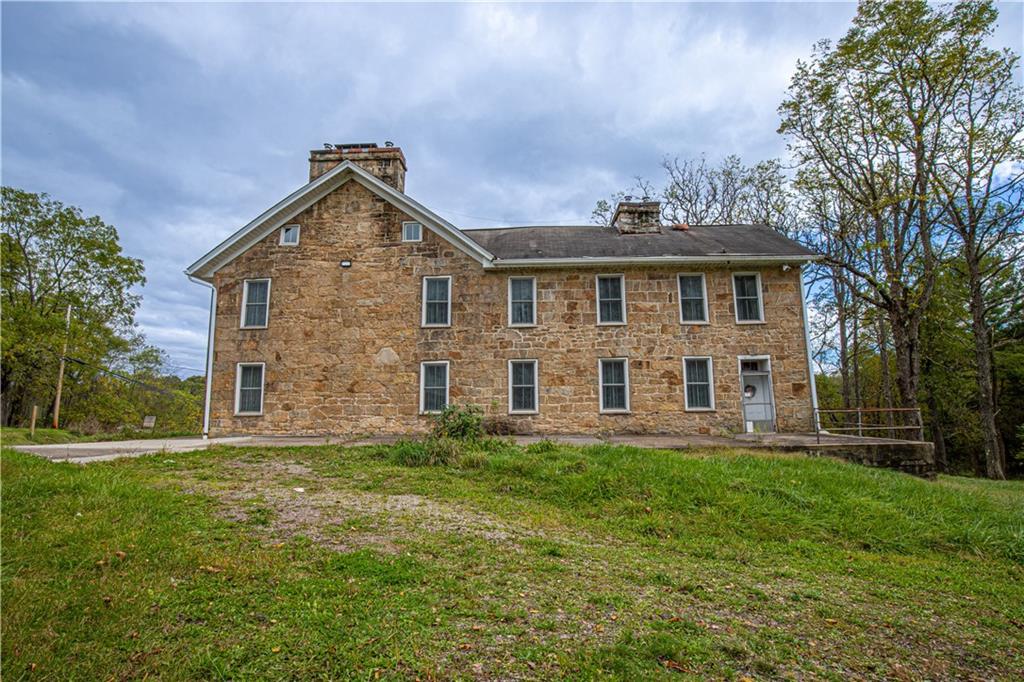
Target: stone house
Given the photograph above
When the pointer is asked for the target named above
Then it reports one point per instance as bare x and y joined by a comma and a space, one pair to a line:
350, 308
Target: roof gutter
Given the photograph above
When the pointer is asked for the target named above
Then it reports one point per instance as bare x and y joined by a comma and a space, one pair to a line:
746, 259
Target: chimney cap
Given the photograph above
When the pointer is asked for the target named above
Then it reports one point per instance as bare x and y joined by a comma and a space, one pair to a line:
347, 146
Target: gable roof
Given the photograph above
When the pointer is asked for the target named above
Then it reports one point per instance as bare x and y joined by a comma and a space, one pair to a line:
512, 247
307, 195
538, 246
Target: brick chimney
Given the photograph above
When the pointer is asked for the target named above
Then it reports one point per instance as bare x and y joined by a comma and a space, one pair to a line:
637, 217
387, 162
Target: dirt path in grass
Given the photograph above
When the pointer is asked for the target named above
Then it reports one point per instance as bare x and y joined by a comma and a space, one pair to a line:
287, 499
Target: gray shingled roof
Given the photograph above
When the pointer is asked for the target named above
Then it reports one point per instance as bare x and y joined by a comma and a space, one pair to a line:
594, 241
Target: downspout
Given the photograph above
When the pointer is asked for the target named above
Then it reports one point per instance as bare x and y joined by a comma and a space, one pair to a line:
807, 346
209, 354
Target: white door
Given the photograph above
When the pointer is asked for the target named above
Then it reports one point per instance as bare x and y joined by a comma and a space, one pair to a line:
756, 391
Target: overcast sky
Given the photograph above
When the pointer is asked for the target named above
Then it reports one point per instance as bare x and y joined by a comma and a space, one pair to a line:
180, 123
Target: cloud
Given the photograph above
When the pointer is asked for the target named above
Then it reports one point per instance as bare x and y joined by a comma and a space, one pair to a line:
178, 123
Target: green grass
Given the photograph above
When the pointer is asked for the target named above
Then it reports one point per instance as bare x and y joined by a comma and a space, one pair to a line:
21, 436
535, 562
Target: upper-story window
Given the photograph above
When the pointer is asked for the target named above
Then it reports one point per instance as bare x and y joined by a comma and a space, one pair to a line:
522, 301
693, 299
412, 232
290, 235
437, 301
611, 299
255, 303
746, 287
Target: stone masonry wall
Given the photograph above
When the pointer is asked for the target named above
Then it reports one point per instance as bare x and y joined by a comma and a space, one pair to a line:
343, 345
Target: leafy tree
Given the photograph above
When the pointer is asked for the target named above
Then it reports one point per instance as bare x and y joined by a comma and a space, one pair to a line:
54, 257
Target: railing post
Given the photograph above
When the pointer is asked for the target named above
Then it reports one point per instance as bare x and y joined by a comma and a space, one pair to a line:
860, 423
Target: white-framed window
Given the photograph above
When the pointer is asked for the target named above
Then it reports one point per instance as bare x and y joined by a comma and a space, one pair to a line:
412, 232
613, 374
698, 383
693, 298
249, 388
437, 301
255, 303
611, 299
522, 301
746, 291
522, 387
290, 235
433, 386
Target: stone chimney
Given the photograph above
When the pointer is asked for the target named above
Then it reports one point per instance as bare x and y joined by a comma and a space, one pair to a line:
387, 162
637, 217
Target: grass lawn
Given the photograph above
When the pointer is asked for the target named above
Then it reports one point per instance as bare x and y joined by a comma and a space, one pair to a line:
537, 562
21, 436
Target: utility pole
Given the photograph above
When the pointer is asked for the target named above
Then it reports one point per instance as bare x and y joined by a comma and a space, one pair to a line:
60, 372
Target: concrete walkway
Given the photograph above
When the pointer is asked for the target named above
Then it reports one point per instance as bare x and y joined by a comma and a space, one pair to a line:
909, 456
82, 453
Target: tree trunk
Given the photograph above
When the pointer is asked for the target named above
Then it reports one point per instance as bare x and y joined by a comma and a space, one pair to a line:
908, 364
991, 438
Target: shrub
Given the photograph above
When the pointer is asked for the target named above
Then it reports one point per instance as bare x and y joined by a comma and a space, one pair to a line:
459, 422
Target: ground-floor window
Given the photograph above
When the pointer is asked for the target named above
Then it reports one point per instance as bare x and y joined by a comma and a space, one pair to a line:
433, 386
614, 378
522, 381
249, 388
698, 377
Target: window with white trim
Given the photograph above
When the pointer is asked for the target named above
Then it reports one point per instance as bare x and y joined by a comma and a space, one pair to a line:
522, 301
614, 379
611, 299
433, 386
290, 235
693, 305
522, 383
255, 303
746, 287
437, 301
412, 232
698, 379
249, 388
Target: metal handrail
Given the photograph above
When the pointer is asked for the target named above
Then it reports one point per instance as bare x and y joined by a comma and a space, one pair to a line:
861, 426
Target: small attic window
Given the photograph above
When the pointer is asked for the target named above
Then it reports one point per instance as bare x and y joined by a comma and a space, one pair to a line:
290, 235
412, 232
